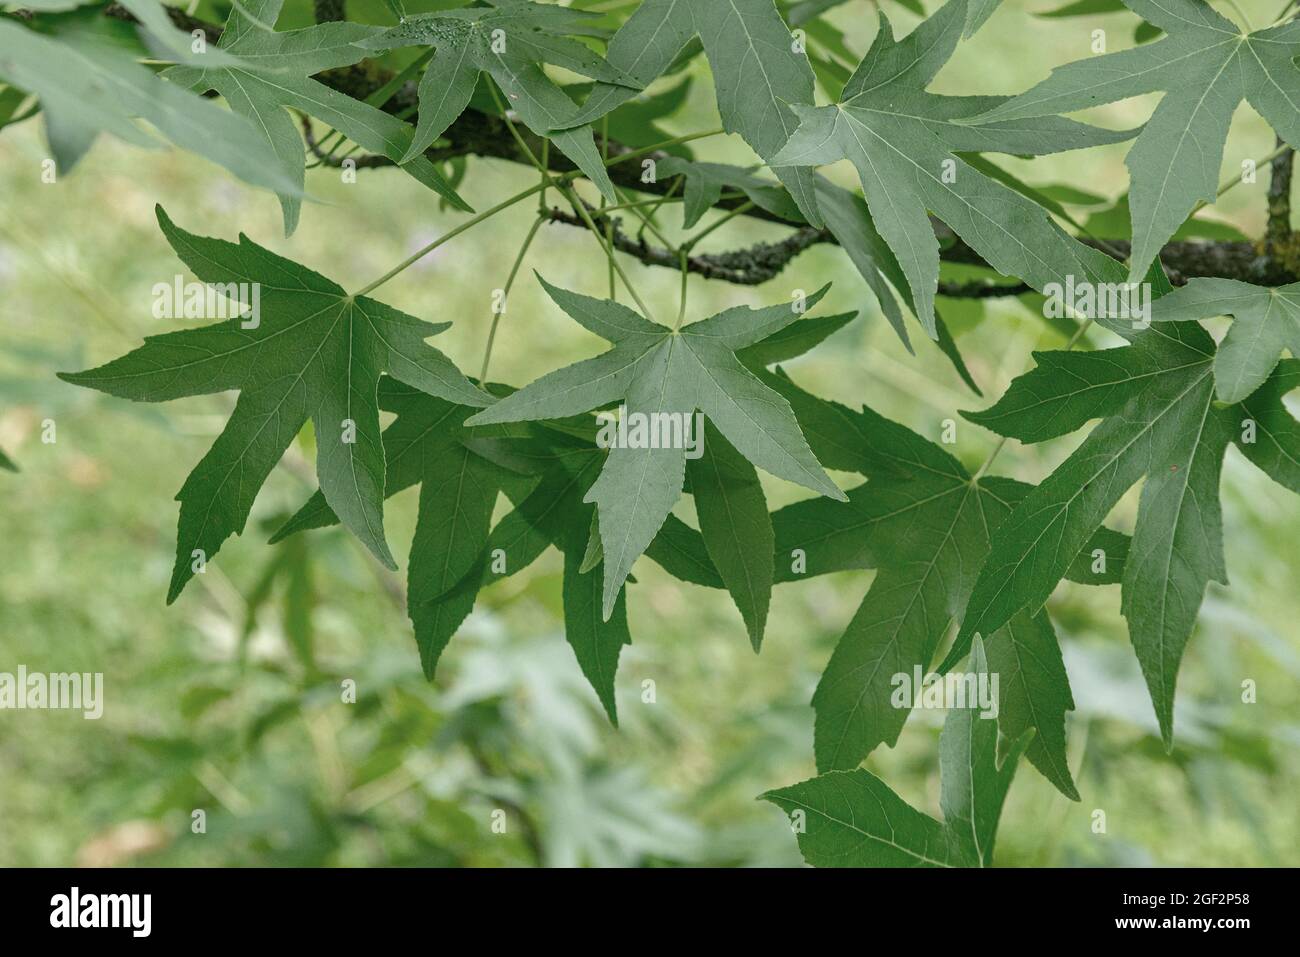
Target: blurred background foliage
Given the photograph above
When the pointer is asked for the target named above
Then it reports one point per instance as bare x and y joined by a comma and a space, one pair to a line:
230, 701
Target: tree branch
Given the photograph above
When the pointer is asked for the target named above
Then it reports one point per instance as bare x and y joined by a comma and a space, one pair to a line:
1278, 232
750, 266
484, 135
1272, 262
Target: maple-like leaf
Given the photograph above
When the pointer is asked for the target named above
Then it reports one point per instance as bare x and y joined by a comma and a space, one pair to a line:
313, 352
1267, 321
925, 523
287, 60
655, 370
87, 86
904, 142
456, 551
853, 819
1275, 448
509, 42
1156, 399
546, 471
759, 72
1206, 65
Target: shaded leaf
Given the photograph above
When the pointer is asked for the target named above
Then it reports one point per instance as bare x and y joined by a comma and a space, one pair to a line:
509, 43
665, 375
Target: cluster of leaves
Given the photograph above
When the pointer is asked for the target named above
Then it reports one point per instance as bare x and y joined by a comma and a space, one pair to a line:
979, 550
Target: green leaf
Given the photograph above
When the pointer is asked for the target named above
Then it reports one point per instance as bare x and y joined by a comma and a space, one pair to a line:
1274, 443
455, 552
736, 527
1159, 421
553, 513
976, 774
849, 221
926, 525
757, 73
1206, 66
509, 43
306, 350
266, 98
757, 77
595, 641
853, 819
86, 88
458, 491
291, 568
653, 371
904, 143
594, 554
978, 13
926, 536
794, 340
11, 100
1267, 321
1034, 694
7, 463
1116, 222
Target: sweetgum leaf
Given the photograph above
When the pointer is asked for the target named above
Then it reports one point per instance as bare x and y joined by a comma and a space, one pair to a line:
1267, 321
652, 369
926, 525
456, 551
736, 527
1160, 421
314, 353
1206, 66
546, 470
1275, 448
705, 183
902, 139
175, 42
849, 221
